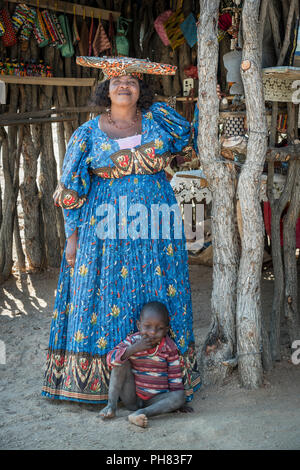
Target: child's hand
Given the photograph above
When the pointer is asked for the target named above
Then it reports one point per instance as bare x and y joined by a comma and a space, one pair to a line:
144, 344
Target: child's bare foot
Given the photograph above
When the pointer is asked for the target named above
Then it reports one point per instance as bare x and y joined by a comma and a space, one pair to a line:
108, 412
139, 420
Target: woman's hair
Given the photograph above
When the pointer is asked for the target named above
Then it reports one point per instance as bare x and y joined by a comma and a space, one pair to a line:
101, 98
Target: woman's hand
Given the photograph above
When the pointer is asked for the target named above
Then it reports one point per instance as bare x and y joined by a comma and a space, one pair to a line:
71, 249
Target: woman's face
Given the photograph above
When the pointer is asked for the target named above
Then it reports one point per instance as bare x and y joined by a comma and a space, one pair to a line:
124, 90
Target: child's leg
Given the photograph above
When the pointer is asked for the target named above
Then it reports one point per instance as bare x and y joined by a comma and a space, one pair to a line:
162, 403
121, 385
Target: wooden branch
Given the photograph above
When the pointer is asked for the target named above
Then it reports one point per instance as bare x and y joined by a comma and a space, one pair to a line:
290, 262
48, 112
262, 20
286, 41
56, 81
283, 154
275, 28
20, 122
65, 7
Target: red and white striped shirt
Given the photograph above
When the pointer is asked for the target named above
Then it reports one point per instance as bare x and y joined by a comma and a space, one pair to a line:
155, 371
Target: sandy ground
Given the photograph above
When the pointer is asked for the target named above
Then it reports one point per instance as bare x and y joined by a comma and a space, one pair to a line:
225, 417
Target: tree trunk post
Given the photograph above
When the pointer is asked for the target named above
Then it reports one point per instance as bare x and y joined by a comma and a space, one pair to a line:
249, 313
219, 347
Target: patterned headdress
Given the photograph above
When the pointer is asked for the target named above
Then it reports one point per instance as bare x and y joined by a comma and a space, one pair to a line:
117, 66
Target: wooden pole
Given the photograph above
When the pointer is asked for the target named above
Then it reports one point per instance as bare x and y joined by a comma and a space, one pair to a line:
70, 8
220, 343
249, 313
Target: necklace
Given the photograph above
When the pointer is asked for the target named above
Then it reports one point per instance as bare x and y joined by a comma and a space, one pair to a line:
153, 354
113, 123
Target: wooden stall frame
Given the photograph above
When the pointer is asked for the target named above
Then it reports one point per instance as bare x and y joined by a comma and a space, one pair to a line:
72, 8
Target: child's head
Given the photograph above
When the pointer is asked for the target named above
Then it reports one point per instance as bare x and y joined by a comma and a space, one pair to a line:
154, 321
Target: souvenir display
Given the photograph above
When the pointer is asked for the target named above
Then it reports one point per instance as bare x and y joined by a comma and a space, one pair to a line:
25, 69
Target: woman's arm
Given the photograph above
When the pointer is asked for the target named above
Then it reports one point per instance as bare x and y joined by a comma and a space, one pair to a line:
71, 249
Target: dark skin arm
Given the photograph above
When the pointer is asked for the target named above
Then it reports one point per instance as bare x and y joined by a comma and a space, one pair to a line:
71, 249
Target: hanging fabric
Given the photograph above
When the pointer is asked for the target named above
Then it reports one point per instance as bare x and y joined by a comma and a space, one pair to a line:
189, 29
172, 27
40, 30
67, 49
9, 38
51, 27
2, 28
19, 17
61, 37
101, 42
27, 29
122, 43
159, 26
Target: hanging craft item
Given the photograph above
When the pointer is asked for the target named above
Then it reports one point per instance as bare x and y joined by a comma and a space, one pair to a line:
19, 17
2, 27
122, 44
234, 30
40, 30
111, 34
191, 72
61, 37
224, 23
172, 26
101, 42
91, 34
23, 21
27, 29
159, 26
76, 37
189, 30
67, 49
54, 28
9, 38
83, 43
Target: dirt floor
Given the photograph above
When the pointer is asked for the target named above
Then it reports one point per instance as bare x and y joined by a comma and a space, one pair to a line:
225, 417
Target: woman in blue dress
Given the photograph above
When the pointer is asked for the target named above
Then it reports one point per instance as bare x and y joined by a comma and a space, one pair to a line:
117, 256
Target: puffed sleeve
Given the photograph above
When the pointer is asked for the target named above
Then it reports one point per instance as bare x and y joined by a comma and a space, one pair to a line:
74, 184
176, 127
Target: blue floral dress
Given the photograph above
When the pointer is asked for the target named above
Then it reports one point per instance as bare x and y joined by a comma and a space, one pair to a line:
108, 195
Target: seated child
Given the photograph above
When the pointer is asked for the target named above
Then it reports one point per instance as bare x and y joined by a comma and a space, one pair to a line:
146, 372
